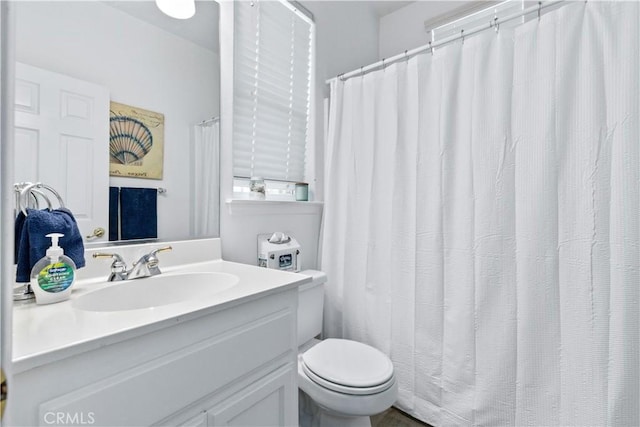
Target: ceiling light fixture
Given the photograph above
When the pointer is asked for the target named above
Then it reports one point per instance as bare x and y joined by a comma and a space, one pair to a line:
179, 9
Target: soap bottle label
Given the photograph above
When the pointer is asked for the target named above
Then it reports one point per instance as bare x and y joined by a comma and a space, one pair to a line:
55, 277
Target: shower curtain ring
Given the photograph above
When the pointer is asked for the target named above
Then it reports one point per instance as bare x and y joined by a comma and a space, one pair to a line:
496, 24
539, 9
431, 47
384, 67
462, 35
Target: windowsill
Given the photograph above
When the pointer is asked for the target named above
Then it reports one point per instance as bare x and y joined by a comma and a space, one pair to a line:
272, 207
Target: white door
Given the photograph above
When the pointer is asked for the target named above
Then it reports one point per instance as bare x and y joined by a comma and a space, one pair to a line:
62, 139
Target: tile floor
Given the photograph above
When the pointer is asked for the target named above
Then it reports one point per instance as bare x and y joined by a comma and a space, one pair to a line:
393, 417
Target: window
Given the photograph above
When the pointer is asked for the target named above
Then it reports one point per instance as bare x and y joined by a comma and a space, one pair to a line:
272, 86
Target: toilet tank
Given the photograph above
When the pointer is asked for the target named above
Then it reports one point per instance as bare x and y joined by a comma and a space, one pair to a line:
310, 306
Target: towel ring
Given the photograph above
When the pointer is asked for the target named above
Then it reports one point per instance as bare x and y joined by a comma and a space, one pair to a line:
34, 192
35, 187
36, 202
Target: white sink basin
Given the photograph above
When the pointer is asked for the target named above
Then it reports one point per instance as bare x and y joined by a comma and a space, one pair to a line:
155, 291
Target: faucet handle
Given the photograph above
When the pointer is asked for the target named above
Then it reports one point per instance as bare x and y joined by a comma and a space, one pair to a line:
118, 266
116, 257
155, 251
147, 265
152, 259
151, 256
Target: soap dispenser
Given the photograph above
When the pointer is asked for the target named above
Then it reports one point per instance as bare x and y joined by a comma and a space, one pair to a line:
53, 275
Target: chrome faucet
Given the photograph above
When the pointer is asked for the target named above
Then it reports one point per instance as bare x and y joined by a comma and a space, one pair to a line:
118, 266
146, 266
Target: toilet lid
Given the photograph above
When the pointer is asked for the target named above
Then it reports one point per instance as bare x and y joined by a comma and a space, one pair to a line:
348, 363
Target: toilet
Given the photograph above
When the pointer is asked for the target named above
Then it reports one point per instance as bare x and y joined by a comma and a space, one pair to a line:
341, 382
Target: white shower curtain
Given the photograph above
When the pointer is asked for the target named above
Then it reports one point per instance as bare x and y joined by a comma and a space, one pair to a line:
206, 187
482, 221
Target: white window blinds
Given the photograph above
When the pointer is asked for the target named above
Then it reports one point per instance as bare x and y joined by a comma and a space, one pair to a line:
272, 69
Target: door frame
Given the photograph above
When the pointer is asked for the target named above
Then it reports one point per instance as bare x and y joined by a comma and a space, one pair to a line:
7, 78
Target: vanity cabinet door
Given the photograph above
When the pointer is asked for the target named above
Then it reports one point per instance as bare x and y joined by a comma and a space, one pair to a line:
271, 401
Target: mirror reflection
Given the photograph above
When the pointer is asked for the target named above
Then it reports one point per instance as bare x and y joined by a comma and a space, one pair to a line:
117, 99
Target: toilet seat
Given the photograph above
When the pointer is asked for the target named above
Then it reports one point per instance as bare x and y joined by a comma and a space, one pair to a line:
348, 367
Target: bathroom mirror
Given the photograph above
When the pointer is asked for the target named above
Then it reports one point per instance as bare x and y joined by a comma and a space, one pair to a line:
130, 53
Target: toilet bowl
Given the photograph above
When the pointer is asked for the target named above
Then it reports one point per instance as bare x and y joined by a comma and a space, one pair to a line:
344, 382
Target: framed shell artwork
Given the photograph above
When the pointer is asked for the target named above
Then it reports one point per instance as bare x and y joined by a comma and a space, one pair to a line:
136, 142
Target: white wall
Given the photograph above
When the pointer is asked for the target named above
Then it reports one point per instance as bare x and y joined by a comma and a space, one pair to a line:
404, 29
142, 66
346, 37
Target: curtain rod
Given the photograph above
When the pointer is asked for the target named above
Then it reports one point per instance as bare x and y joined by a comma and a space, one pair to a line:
495, 23
211, 120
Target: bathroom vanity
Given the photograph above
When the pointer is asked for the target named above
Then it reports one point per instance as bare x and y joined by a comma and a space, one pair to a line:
227, 357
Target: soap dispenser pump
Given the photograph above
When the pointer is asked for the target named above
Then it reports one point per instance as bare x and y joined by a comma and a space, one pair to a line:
53, 275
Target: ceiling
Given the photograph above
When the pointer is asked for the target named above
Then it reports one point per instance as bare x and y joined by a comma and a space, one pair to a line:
202, 28
383, 8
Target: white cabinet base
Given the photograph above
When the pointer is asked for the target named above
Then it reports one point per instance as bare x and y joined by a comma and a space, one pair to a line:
233, 367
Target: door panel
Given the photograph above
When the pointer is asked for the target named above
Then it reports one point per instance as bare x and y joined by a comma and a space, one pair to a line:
62, 139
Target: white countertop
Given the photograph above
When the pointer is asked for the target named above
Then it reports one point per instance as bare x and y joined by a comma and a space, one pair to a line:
45, 333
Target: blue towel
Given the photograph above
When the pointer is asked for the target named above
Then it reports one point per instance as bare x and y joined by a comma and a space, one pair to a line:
19, 226
33, 242
114, 215
138, 213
